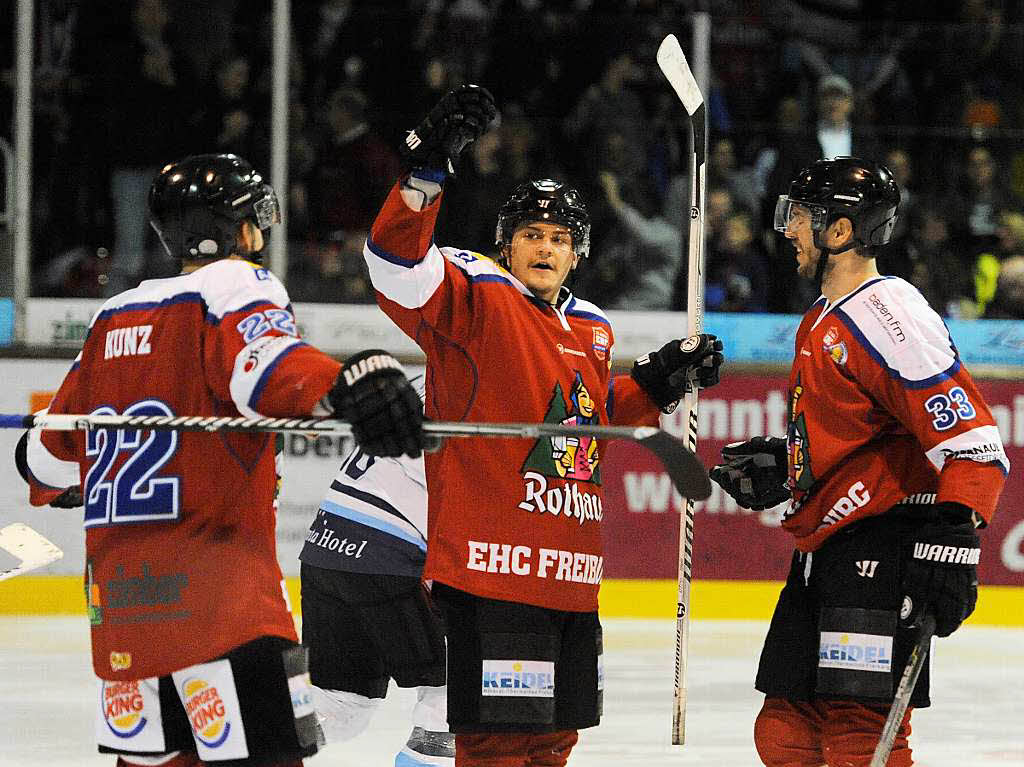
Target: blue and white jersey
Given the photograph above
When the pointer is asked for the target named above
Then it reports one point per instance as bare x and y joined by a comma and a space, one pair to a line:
373, 518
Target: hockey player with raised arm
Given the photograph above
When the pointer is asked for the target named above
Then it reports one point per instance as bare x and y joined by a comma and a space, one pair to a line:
514, 544
367, 617
890, 463
193, 642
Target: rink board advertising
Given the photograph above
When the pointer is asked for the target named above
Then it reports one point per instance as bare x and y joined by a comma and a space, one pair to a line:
641, 522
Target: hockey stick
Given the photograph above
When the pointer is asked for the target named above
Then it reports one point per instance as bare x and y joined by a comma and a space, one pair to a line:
684, 468
906, 688
25, 544
677, 71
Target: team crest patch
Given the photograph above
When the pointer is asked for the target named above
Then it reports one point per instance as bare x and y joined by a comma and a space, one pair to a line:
600, 342
835, 348
575, 458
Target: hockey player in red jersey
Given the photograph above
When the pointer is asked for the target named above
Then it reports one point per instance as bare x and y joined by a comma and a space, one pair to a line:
192, 638
514, 544
891, 461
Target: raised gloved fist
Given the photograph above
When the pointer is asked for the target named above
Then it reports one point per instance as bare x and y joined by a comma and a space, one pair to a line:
754, 472
458, 119
373, 393
940, 569
665, 374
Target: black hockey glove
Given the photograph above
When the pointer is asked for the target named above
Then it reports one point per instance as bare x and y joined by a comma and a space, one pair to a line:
754, 472
665, 374
457, 120
374, 395
940, 569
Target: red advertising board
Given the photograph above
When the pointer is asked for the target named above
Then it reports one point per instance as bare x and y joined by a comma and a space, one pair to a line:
641, 521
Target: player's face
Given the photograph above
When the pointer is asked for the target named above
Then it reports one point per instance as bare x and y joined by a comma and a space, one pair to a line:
798, 231
541, 257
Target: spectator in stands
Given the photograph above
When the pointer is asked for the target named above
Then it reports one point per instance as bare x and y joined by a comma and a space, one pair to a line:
353, 171
659, 240
724, 169
836, 134
1008, 302
929, 260
981, 197
144, 100
609, 106
898, 161
737, 279
1009, 243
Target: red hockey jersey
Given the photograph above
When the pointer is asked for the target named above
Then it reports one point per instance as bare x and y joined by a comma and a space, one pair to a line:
510, 519
881, 409
180, 551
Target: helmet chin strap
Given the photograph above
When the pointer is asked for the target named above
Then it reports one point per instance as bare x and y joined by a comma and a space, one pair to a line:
823, 253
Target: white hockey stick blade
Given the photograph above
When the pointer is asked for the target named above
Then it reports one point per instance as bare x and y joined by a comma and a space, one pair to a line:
677, 71
28, 546
684, 468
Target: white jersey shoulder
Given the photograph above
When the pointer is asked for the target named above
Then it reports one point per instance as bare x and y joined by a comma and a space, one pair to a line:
230, 284
900, 330
474, 264
579, 306
224, 286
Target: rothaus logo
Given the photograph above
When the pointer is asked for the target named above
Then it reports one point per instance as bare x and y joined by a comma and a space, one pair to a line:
568, 500
866, 568
367, 365
954, 555
888, 320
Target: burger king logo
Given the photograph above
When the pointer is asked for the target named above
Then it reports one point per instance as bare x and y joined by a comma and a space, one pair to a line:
123, 708
206, 712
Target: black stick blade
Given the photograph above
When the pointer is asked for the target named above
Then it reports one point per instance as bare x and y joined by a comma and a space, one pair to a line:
684, 468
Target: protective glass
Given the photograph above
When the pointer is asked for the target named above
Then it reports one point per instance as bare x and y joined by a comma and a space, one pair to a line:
786, 208
266, 209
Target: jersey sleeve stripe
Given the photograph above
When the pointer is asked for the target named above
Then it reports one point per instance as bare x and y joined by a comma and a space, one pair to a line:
214, 319
262, 382
180, 298
377, 523
372, 500
409, 283
391, 258
254, 364
924, 383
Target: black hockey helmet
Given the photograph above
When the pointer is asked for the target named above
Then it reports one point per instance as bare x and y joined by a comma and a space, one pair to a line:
844, 187
196, 205
545, 200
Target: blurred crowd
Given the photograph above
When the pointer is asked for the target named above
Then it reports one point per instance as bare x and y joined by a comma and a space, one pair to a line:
930, 88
